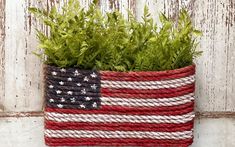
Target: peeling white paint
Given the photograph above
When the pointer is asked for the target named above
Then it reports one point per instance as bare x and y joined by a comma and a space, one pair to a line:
21, 72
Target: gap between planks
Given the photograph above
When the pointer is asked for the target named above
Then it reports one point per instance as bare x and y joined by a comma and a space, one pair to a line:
198, 114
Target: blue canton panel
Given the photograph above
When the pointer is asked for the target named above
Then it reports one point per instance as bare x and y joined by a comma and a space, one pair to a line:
72, 88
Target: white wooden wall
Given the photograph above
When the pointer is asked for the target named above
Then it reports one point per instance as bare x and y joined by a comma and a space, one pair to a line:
21, 102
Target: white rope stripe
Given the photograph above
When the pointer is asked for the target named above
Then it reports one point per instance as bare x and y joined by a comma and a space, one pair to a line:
160, 82
148, 84
117, 134
138, 102
62, 117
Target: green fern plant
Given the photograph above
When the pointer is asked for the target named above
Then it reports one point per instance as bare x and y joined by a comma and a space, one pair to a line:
88, 39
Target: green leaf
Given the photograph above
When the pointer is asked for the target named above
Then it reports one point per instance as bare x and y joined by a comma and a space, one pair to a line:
89, 39
197, 32
33, 9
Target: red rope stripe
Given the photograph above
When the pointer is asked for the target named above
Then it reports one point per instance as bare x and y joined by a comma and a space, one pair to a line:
163, 127
163, 93
141, 91
148, 78
149, 75
116, 142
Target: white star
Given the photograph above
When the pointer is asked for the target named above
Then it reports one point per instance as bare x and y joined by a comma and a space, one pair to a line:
61, 83
54, 73
63, 70
70, 93
51, 86
60, 105
58, 91
87, 98
51, 100
93, 86
94, 105
93, 75
79, 84
82, 106
86, 79
62, 99
70, 79
83, 91
76, 73
72, 100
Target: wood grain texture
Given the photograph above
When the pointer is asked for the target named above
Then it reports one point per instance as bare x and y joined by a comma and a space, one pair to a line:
21, 132
21, 72
2, 52
28, 132
215, 69
155, 7
198, 115
214, 132
122, 5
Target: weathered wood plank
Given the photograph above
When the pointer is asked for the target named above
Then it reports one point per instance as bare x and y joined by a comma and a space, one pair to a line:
230, 46
28, 132
41, 114
122, 5
2, 52
215, 69
215, 84
22, 69
21, 132
214, 133
155, 8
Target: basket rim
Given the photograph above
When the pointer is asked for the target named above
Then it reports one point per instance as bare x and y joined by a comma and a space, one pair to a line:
182, 69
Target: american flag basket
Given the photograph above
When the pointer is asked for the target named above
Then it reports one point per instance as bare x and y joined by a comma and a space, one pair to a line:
107, 108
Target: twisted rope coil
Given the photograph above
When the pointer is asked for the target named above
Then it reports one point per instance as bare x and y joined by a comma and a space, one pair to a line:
87, 107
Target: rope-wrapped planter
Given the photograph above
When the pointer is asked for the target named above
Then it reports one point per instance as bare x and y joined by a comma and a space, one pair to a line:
105, 108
